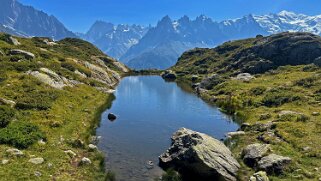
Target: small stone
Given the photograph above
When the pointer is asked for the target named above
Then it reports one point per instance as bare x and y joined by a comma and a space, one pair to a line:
259, 176
150, 165
245, 126
36, 161
4, 162
41, 142
112, 116
92, 147
70, 153
85, 161
307, 148
37, 174
49, 165
95, 139
233, 134
14, 152
315, 114
316, 169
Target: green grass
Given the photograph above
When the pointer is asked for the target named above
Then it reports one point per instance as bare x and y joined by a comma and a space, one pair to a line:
270, 94
59, 117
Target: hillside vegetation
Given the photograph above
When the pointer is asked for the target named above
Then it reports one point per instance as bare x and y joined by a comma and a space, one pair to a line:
277, 102
51, 96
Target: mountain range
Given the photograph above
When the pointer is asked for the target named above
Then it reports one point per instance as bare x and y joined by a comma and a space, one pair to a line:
114, 40
26, 21
160, 46
154, 47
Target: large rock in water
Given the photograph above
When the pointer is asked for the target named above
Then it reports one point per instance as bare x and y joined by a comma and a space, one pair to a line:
200, 154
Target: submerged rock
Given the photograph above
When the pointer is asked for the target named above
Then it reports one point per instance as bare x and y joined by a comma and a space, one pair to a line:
200, 154
112, 117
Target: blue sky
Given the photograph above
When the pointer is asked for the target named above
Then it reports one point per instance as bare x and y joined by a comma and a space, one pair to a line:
79, 15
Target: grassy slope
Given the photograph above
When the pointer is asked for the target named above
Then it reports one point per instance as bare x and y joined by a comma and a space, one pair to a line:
72, 114
243, 99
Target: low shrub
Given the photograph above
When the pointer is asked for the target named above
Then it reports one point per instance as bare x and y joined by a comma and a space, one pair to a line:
40, 100
6, 115
257, 90
171, 175
20, 134
279, 97
230, 104
306, 82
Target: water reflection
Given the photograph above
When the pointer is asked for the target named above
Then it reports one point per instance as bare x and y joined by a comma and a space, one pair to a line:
148, 111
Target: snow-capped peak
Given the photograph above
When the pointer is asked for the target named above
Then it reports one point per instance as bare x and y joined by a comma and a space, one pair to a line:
289, 21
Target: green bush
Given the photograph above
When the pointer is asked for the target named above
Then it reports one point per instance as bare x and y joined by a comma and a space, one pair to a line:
3, 76
68, 66
20, 134
306, 82
257, 90
6, 115
279, 97
40, 100
171, 175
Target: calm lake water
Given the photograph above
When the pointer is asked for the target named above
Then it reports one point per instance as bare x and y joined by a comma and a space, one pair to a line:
149, 110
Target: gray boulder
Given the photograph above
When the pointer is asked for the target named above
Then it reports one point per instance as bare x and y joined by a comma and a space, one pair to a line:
26, 54
246, 77
200, 154
235, 134
36, 161
4, 101
259, 176
85, 161
169, 75
14, 152
251, 154
14, 41
209, 82
274, 164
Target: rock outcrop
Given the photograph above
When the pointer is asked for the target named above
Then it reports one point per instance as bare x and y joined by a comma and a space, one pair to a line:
27, 55
169, 75
50, 77
200, 154
246, 77
274, 164
211, 81
36, 161
259, 176
251, 154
